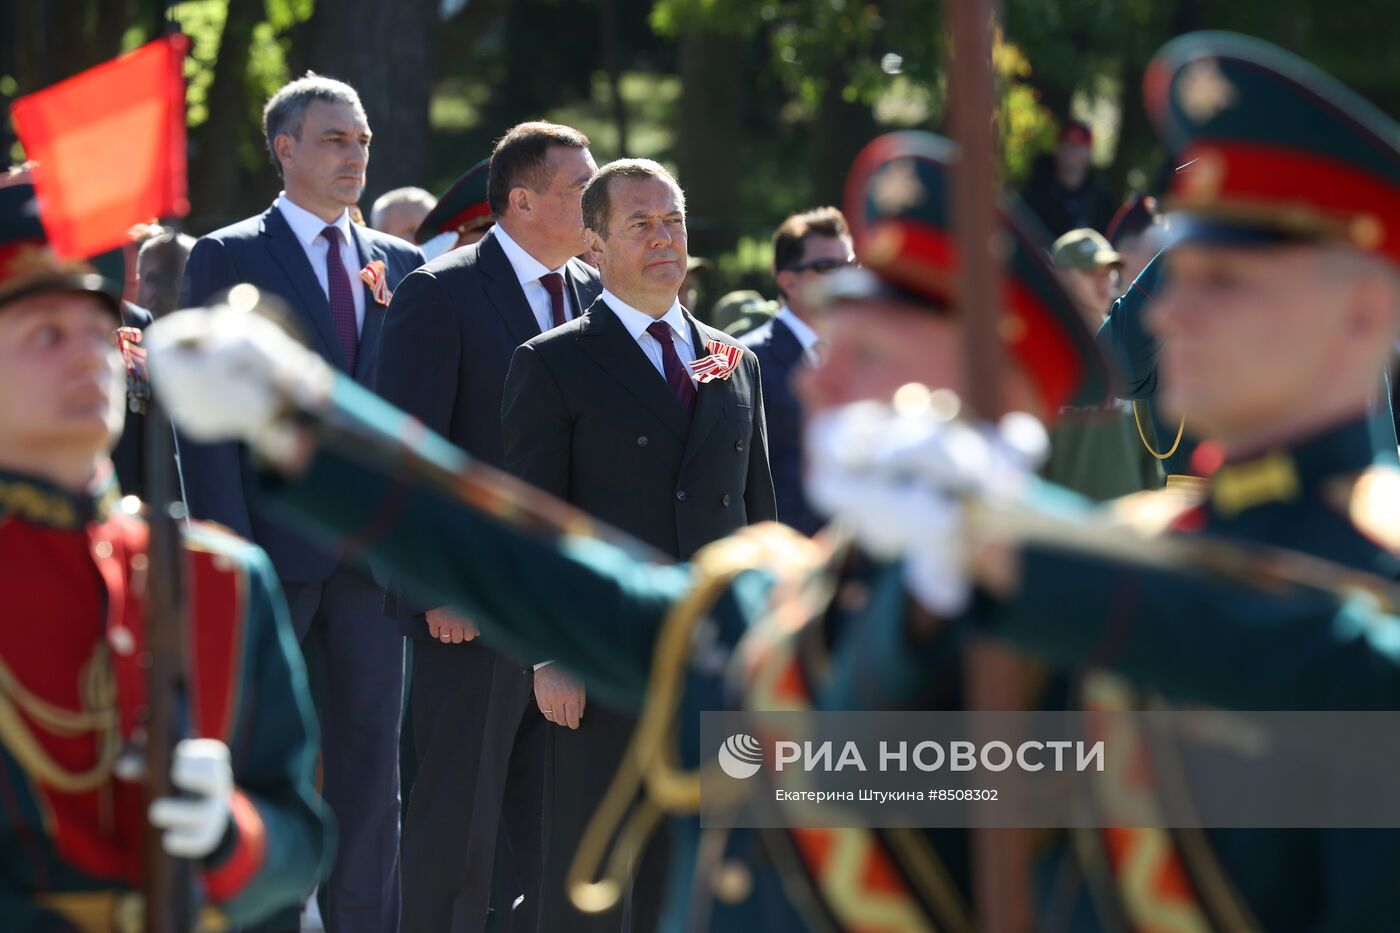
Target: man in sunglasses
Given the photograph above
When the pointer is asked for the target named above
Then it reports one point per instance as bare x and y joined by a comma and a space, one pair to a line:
805, 247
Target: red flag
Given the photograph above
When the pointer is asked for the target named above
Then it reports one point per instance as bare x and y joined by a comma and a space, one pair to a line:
110, 147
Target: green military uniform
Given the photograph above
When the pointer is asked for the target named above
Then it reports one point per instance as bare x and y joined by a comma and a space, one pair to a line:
1125, 339
1096, 453
73, 685
1281, 155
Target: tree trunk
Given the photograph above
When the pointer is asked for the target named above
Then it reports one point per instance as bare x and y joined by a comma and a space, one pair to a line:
839, 131
707, 139
387, 53
215, 189
608, 39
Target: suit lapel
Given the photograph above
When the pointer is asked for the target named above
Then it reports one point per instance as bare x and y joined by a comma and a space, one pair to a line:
786, 347
605, 339
709, 396
374, 311
313, 308
571, 281
504, 291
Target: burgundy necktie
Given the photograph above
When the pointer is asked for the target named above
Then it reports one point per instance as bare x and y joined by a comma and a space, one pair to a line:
677, 376
342, 299
553, 283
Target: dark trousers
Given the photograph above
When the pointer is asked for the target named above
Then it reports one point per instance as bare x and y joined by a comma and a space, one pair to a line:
583, 764
482, 747
355, 659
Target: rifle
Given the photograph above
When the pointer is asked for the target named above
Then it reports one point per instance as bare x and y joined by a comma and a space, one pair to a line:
1000, 857
168, 881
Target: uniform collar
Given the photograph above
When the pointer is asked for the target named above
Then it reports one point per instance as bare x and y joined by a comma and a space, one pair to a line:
40, 502
1286, 472
307, 226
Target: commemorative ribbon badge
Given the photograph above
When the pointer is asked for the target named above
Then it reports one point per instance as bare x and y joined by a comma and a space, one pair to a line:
720, 364
373, 276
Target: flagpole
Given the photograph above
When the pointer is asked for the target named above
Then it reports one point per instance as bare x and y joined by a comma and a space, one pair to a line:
1000, 857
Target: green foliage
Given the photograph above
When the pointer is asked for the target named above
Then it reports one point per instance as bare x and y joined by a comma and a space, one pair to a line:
673, 18
203, 22
1025, 127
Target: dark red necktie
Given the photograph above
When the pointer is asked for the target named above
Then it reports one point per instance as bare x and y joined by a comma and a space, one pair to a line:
342, 299
553, 283
677, 376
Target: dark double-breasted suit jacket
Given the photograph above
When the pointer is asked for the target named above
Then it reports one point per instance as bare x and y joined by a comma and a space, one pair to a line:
588, 418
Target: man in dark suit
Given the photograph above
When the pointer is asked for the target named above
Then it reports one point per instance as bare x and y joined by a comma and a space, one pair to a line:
806, 246
306, 251
607, 413
482, 743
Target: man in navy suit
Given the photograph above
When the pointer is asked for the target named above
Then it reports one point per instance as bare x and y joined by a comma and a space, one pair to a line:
306, 251
805, 246
479, 717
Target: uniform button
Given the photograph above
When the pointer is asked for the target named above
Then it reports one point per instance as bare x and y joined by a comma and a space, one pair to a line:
643, 440
121, 640
739, 445
103, 549
725, 501
681, 495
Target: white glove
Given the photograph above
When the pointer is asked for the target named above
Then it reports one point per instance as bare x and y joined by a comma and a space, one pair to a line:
229, 374
194, 825
898, 480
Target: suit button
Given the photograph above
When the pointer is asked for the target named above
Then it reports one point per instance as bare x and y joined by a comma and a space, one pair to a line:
725, 501
681, 495
643, 440
739, 445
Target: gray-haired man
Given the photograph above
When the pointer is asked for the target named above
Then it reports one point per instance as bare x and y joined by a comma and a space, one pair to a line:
400, 211
336, 277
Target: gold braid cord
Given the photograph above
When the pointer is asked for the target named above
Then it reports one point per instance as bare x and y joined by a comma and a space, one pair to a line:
650, 767
1180, 430
98, 692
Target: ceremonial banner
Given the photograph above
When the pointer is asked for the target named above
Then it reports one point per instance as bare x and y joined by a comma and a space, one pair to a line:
110, 147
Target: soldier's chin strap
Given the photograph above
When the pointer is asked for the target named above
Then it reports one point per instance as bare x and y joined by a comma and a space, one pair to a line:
650, 767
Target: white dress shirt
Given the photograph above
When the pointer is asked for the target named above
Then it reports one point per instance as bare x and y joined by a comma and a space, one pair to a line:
528, 270
806, 337
637, 323
307, 227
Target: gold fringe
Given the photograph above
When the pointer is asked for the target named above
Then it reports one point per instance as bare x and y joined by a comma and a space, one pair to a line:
649, 766
97, 690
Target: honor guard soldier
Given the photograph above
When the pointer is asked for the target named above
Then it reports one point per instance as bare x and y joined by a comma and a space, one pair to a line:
77, 571
461, 217
894, 326
1277, 319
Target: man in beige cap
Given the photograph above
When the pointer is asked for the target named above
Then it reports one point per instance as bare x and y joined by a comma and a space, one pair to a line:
1088, 267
